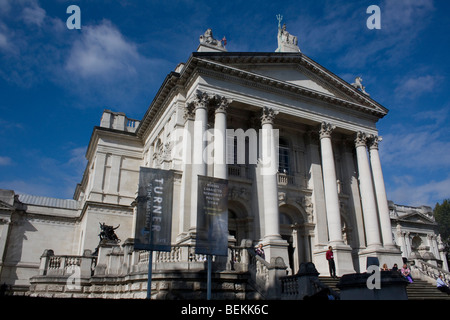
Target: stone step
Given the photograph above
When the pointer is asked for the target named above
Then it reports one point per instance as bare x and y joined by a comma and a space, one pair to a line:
418, 290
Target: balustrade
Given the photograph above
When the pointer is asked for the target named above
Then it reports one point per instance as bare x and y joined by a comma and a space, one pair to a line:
262, 274
431, 271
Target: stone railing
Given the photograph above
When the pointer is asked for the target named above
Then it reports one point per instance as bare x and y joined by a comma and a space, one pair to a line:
265, 276
430, 271
285, 179
123, 263
304, 284
65, 265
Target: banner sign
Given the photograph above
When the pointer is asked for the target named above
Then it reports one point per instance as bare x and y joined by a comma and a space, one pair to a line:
212, 216
154, 210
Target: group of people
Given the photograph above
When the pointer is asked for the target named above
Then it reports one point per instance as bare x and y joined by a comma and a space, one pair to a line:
404, 271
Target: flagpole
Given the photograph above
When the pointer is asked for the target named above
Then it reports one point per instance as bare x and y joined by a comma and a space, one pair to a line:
149, 279
208, 285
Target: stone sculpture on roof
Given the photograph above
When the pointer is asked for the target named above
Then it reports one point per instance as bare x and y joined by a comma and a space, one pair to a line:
286, 41
207, 40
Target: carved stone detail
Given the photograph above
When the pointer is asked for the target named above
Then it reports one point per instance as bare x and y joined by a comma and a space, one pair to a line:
189, 111
221, 103
326, 129
268, 115
373, 141
361, 139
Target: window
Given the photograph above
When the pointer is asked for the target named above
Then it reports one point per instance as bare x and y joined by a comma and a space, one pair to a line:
284, 157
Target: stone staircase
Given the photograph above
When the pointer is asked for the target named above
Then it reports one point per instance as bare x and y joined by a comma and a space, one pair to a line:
418, 290
423, 290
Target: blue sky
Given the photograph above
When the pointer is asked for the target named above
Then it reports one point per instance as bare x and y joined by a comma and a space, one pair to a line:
55, 82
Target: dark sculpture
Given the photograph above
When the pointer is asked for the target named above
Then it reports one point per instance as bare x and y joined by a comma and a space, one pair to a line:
107, 233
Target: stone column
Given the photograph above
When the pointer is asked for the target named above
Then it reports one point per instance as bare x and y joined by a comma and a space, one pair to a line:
380, 191
200, 103
220, 138
330, 184
274, 246
367, 193
342, 252
316, 184
269, 161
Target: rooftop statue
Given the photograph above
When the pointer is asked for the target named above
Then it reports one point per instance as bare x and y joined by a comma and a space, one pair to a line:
358, 85
207, 39
286, 41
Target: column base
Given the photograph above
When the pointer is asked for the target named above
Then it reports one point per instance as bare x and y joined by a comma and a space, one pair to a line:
343, 259
386, 255
274, 246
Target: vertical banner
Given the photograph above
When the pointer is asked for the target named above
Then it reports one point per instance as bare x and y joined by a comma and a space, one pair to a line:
154, 210
212, 216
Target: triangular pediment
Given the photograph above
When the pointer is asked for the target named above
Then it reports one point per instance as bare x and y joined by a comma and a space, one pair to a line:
280, 72
416, 217
293, 70
295, 75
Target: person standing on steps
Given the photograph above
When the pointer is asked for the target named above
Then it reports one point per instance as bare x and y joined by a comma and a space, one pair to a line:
331, 265
441, 285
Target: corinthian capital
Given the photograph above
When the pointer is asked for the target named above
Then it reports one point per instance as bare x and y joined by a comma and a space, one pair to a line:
361, 139
200, 100
373, 141
326, 129
221, 103
268, 115
189, 111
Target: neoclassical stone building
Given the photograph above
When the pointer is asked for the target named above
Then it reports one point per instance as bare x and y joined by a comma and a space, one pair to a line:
226, 114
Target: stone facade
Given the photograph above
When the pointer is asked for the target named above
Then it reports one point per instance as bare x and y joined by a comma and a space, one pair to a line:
327, 187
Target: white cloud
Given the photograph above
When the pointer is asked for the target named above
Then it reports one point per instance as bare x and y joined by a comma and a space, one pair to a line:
34, 15
106, 68
5, 161
416, 159
405, 192
418, 149
415, 86
103, 52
